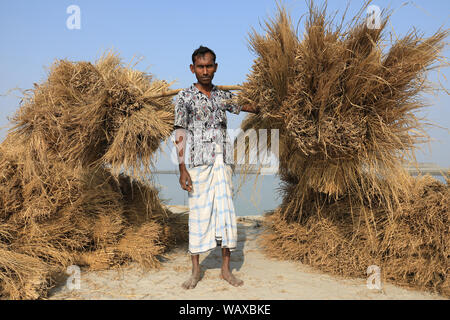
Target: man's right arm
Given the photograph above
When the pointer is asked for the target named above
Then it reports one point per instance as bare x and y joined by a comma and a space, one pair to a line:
180, 142
180, 125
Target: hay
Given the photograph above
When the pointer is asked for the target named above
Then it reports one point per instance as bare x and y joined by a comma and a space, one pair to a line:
21, 276
65, 196
344, 109
346, 114
86, 115
412, 248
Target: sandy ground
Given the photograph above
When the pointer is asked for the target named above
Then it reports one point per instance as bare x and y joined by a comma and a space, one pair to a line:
264, 278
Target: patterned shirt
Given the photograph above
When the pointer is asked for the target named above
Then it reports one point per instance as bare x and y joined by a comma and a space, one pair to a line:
205, 122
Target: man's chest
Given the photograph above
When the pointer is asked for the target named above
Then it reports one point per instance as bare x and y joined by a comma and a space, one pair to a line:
207, 110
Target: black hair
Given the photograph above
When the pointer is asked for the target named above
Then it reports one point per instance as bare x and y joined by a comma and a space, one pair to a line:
201, 51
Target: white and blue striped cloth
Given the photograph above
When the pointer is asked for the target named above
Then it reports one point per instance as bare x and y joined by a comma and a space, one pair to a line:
212, 220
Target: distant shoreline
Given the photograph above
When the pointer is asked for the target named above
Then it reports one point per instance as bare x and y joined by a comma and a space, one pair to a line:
423, 168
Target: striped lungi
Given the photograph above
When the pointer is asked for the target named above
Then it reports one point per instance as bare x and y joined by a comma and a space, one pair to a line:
212, 220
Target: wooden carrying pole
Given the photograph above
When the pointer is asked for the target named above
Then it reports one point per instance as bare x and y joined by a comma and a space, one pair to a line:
173, 92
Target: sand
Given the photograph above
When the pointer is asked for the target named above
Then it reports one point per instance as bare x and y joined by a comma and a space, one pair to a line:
264, 278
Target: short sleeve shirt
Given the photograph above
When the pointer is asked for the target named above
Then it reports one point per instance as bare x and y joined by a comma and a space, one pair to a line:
205, 121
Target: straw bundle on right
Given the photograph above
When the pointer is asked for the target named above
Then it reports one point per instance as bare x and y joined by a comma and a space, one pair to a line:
346, 114
412, 248
345, 109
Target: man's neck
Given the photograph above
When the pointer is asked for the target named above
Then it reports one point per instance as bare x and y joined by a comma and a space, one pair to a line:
203, 88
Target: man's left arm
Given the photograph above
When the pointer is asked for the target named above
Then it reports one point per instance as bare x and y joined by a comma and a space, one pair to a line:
234, 108
249, 108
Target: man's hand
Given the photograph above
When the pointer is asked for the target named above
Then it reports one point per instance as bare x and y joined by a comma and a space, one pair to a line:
250, 108
185, 178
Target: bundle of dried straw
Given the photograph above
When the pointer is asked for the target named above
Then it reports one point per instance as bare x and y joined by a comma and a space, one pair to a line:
65, 196
346, 111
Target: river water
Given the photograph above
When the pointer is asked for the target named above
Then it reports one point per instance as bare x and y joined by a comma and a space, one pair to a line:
255, 196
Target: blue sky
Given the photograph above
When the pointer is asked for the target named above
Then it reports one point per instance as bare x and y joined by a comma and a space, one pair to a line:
33, 34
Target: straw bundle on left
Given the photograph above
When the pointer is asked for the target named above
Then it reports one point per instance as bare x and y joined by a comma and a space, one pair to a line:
63, 197
87, 115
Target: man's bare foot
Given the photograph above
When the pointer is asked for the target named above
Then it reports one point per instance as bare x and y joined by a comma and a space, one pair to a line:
231, 279
192, 281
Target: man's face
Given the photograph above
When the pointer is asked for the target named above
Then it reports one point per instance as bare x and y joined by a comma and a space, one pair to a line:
204, 68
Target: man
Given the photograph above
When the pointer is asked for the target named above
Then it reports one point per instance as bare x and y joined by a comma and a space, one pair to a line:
200, 117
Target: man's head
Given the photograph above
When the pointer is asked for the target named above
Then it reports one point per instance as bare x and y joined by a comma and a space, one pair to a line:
204, 65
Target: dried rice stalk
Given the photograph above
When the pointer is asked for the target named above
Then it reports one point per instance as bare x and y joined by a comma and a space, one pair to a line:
89, 115
63, 199
344, 109
346, 114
